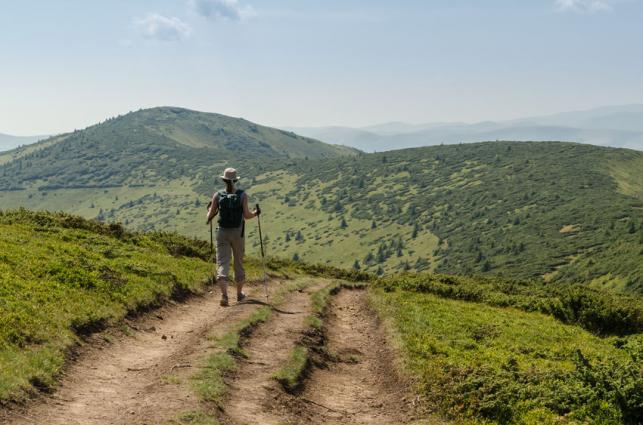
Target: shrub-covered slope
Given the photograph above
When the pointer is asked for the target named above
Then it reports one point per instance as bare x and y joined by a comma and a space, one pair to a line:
480, 351
552, 211
152, 146
542, 211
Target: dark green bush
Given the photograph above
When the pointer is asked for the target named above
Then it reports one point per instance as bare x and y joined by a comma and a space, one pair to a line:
606, 392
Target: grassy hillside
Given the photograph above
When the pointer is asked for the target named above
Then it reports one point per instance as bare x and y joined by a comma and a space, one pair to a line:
542, 211
479, 359
479, 349
62, 276
152, 146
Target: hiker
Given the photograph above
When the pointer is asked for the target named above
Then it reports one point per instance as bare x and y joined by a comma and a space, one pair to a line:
232, 206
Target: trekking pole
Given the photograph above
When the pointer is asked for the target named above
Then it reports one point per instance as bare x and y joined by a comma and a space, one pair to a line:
211, 243
263, 256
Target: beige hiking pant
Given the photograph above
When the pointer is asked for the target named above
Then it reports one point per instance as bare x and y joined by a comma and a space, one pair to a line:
230, 244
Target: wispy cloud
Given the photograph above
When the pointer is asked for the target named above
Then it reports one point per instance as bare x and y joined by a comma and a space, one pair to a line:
585, 6
163, 28
229, 10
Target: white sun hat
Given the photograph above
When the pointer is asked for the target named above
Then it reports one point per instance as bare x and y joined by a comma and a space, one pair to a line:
230, 174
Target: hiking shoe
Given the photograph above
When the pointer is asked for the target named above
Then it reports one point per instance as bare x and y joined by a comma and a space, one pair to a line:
224, 302
241, 297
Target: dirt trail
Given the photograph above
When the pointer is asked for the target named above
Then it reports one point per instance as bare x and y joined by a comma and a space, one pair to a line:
361, 387
253, 391
142, 378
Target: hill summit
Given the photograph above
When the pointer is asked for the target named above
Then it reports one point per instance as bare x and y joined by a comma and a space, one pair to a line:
162, 142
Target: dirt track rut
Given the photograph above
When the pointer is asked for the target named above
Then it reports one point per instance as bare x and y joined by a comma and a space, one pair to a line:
253, 391
361, 386
142, 378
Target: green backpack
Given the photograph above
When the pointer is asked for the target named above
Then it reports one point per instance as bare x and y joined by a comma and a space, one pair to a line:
230, 209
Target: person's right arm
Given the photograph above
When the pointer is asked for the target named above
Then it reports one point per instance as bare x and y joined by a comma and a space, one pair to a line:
214, 208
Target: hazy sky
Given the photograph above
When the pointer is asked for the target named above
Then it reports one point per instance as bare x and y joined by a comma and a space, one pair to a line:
66, 64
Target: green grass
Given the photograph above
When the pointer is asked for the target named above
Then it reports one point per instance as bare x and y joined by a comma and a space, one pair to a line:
599, 311
474, 362
196, 418
209, 383
62, 277
290, 373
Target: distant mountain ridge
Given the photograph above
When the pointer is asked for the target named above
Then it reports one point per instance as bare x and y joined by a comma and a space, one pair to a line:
615, 126
8, 141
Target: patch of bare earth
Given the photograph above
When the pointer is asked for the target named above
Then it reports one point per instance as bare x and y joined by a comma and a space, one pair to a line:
252, 389
361, 386
141, 376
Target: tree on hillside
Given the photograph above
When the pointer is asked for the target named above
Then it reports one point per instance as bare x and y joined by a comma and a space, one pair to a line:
416, 229
486, 266
296, 257
631, 228
421, 264
356, 265
479, 257
343, 223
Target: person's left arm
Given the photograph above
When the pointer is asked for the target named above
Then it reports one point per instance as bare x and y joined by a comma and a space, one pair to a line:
247, 214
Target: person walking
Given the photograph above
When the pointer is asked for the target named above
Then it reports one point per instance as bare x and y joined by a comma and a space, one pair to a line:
232, 206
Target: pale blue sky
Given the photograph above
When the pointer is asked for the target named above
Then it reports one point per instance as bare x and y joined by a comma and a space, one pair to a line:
67, 64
